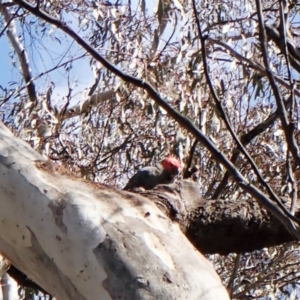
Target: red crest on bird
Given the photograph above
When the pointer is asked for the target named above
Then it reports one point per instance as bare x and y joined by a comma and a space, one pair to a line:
171, 163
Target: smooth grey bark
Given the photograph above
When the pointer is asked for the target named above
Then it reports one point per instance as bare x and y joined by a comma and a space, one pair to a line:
79, 240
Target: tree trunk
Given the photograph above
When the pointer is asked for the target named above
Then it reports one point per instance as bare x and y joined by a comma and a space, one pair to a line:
80, 240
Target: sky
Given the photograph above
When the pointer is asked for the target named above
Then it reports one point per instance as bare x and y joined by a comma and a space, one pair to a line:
51, 51
46, 53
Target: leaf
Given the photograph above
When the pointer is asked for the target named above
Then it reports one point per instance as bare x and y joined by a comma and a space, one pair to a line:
29, 105
143, 6
180, 7
160, 11
155, 41
150, 109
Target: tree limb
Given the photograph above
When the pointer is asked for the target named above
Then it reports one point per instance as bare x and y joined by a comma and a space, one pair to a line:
21, 52
79, 240
183, 121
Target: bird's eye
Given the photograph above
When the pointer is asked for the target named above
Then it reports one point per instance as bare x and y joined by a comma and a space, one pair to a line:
175, 170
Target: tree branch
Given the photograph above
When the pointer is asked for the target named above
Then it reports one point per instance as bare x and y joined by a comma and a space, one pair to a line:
21, 52
183, 121
78, 240
288, 127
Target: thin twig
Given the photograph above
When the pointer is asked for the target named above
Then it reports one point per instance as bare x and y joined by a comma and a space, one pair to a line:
230, 285
251, 64
283, 23
288, 127
185, 122
223, 114
245, 140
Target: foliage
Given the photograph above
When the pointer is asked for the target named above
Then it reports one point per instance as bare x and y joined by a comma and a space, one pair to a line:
108, 140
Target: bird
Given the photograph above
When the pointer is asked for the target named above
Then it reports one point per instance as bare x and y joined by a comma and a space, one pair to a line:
149, 177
